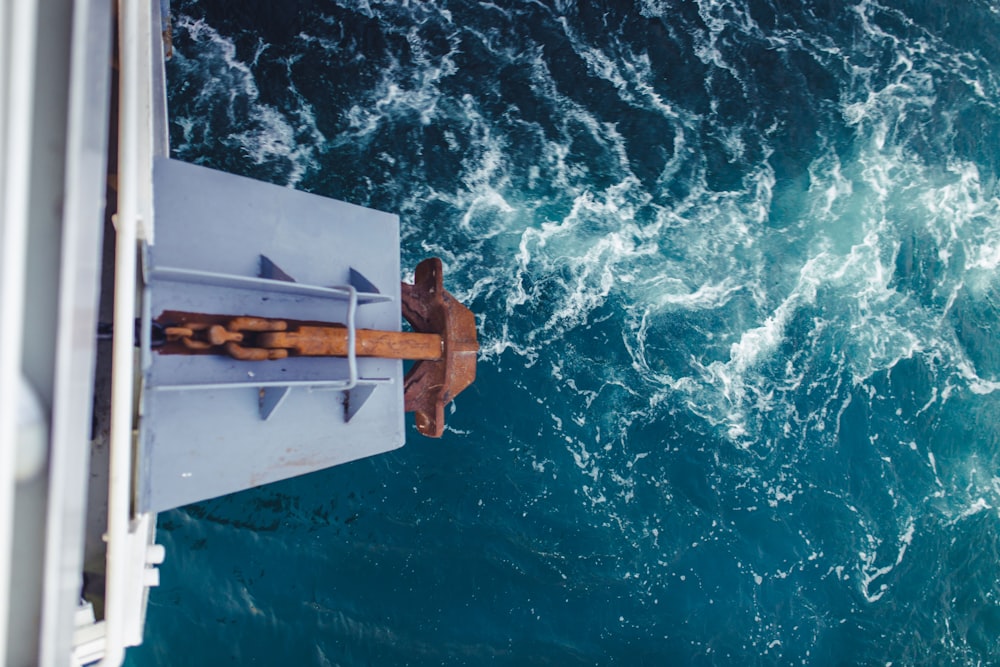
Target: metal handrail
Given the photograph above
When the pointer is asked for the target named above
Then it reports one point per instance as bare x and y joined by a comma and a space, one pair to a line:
352, 353
198, 277
131, 84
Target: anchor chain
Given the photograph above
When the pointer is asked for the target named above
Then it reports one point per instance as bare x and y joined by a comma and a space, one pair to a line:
228, 338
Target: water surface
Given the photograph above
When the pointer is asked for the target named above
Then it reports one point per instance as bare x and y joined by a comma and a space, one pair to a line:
735, 269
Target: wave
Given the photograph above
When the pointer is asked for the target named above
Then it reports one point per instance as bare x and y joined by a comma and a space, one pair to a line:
219, 104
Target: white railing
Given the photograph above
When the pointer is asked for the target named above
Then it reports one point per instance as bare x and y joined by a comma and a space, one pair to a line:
127, 537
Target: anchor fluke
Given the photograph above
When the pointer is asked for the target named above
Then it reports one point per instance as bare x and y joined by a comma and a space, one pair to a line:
432, 384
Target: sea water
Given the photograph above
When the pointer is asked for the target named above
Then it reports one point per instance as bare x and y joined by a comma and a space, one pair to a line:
735, 271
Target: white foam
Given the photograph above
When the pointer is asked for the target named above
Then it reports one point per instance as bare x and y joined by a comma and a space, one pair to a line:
974, 508
870, 572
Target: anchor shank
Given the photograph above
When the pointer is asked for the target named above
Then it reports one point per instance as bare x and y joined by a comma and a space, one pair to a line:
317, 341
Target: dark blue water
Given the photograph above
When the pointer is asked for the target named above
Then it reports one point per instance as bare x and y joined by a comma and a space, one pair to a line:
736, 266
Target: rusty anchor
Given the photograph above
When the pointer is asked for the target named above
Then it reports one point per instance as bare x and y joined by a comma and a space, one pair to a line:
443, 343
431, 384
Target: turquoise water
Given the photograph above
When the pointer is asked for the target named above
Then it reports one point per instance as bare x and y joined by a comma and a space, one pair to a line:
735, 267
